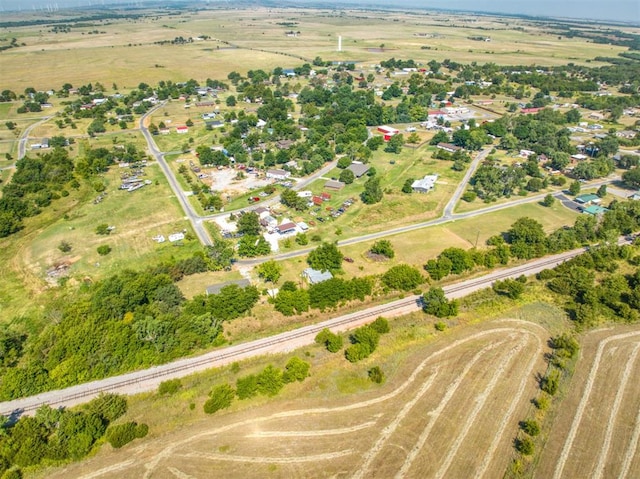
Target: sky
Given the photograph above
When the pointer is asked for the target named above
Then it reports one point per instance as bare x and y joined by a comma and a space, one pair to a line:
619, 10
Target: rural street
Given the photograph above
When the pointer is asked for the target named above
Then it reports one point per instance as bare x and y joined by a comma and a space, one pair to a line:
149, 379
451, 205
22, 144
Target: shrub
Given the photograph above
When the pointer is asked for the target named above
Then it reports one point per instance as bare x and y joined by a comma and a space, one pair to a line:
14, 473
550, 382
103, 229
366, 335
402, 277
169, 387
357, 352
376, 375
331, 341
64, 246
469, 196
525, 446
384, 248
531, 427
381, 325
122, 434
104, 249
221, 397
440, 326
270, 381
295, 370
141, 431
109, 406
247, 386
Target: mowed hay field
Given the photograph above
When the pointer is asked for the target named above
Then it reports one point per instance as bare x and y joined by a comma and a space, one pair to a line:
124, 51
450, 408
597, 430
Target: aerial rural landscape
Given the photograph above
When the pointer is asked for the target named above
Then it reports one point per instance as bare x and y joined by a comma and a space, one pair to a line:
265, 239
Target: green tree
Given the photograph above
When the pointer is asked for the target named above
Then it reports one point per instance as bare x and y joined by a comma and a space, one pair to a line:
372, 191
602, 191
402, 277
220, 397
395, 144
326, 257
104, 249
509, 287
527, 238
249, 224
270, 271
295, 370
170, 386
436, 304
103, 229
220, 254
270, 381
376, 375
574, 187
407, 188
384, 248
347, 177
124, 433
247, 386
331, 341
64, 246
549, 200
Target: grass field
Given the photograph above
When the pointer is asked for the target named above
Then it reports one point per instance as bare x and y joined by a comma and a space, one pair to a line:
48, 60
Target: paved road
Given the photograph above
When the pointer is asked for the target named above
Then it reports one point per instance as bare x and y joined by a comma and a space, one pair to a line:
149, 379
22, 143
195, 219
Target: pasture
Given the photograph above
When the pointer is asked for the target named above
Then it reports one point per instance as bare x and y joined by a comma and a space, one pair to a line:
449, 408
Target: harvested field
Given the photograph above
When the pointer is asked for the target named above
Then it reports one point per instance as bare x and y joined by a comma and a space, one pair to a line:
597, 430
453, 413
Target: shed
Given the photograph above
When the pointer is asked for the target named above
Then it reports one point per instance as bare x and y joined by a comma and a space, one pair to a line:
315, 276
334, 185
216, 288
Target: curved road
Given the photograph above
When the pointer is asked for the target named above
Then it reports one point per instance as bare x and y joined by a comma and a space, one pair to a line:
149, 379
22, 143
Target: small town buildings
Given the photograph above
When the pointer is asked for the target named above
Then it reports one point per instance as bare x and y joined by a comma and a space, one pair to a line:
526, 153
587, 199
627, 134
388, 131
314, 276
425, 185
358, 168
176, 237
285, 228
182, 130
305, 194
595, 210
530, 111
278, 174
448, 147
578, 157
216, 288
334, 185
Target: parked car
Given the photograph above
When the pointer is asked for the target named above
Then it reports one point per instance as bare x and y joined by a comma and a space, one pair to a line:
347, 259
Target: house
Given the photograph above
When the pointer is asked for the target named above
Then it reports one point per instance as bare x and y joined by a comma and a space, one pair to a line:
44, 143
526, 153
214, 123
285, 228
425, 185
635, 196
588, 199
628, 134
578, 157
268, 221
530, 111
164, 131
315, 276
261, 211
358, 168
595, 210
284, 144
325, 196
596, 116
334, 185
388, 131
261, 123
182, 130
305, 194
278, 174
216, 288
448, 147
316, 200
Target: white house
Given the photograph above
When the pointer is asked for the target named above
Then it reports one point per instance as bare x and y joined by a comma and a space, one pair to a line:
278, 174
425, 185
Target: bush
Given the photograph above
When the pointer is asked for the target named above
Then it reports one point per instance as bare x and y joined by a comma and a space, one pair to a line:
64, 246
122, 434
531, 427
384, 248
108, 406
247, 386
295, 370
469, 196
221, 397
14, 473
103, 229
169, 387
357, 352
381, 325
550, 382
104, 249
525, 446
331, 341
440, 326
270, 381
376, 375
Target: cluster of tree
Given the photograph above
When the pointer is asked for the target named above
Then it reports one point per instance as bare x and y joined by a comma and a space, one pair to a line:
435, 302
512, 288
54, 436
130, 320
402, 277
208, 199
457, 261
331, 341
269, 382
383, 248
364, 340
34, 185
594, 289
